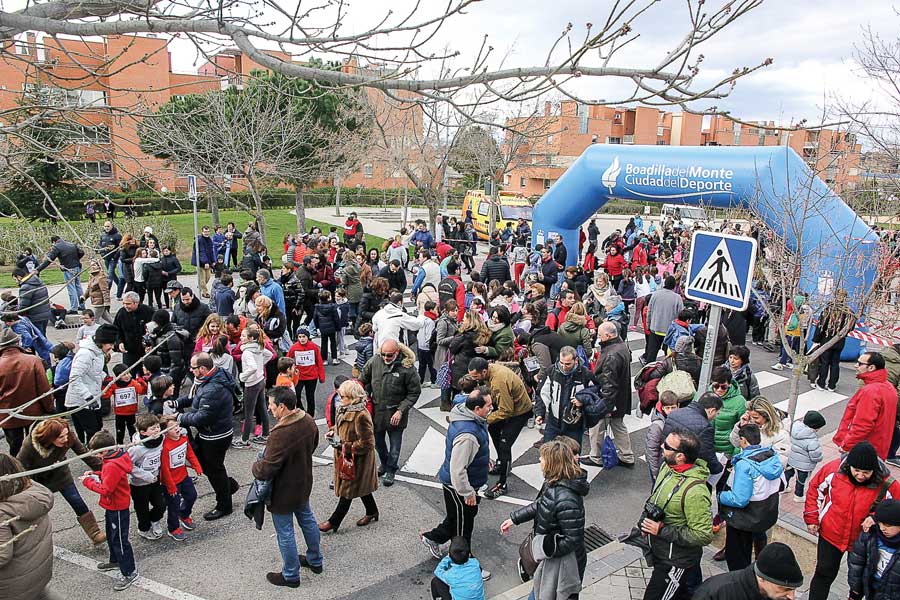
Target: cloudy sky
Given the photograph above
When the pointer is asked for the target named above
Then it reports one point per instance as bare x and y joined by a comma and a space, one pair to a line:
811, 41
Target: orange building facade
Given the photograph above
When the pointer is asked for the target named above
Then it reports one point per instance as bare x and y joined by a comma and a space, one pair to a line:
569, 130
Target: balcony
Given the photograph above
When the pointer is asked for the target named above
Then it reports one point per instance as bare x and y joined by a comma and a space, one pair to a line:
811, 145
231, 81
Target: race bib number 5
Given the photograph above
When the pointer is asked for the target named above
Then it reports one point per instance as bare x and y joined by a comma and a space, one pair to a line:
177, 456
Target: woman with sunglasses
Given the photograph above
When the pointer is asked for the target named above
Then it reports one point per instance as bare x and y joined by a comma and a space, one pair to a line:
733, 406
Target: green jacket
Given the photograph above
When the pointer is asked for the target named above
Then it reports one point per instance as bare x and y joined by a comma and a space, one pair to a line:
501, 340
733, 406
576, 335
687, 527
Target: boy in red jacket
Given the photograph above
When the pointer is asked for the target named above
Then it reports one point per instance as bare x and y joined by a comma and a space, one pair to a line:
115, 498
180, 491
310, 368
123, 395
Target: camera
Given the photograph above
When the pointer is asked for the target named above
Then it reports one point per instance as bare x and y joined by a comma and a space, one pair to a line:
653, 512
149, 340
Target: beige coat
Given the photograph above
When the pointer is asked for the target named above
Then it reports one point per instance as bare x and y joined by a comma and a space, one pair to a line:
355, 428
97, 289
26, 565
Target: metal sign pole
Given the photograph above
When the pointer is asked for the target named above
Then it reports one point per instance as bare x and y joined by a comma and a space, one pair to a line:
709, 350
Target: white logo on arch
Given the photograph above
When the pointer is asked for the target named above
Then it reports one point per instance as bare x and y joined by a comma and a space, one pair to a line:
611, 174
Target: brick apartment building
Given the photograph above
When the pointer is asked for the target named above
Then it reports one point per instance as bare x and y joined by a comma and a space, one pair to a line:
111, 81
568, 131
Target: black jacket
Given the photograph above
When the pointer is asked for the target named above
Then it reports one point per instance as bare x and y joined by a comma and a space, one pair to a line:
305, 278
171, 265
327, 318
273, 325
693, 418
462, 349
721, 352
64, 252
213, 405
174, 351
862, 562
613, 375
131, 327
109, 242
549, 272
153, 277
368, 306
736, 585
396, 279
495, 267
191, 316
34, 301
560, 254
558, 511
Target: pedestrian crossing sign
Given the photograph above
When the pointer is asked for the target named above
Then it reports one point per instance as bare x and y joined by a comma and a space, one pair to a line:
720, 269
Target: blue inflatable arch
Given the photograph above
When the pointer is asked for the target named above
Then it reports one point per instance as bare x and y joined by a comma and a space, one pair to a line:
772, 182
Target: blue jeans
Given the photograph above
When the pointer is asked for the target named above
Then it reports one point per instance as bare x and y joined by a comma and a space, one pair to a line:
73, 287
389, 458
71, 495
287, 544
794, 344
113, 277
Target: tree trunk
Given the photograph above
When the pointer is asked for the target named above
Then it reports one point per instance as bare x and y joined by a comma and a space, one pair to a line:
257, 203
794, 391
300, 208
432, 202
405, 217
337, 196
214, 208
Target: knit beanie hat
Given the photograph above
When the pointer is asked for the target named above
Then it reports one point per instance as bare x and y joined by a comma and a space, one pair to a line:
814, 419
888, 512
863, 457
106, 334
777, 564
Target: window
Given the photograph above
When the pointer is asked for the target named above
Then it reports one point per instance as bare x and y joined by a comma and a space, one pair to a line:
506, 179
661, 142
547, 184
483, 208
737, 134
367, 170
92, 169
23, 49
68, 98
594, 139
613, 140
90, 134
521, 182
582, 119
618, 116
549, 139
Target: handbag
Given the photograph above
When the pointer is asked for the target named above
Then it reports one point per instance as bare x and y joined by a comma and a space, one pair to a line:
608, 455
444, 375
346, 466
679, 382
527, 564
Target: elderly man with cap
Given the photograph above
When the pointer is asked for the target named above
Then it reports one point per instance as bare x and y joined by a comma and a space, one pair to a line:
86, 381
173, 291
774, 576
23, 378
838, 505
390, 377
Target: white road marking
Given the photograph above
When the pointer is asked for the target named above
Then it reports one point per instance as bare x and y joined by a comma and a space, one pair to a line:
428, 455
438, 485
813, 400
767, 378
634, 336
154, 587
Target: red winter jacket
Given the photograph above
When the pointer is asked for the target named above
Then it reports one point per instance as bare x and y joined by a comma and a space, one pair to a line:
838, 506
175, 456
614, 265
639, 257
870, 415
113, 483
308, 359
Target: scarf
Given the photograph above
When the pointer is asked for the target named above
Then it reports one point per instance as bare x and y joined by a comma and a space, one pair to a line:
494, 327
890, 542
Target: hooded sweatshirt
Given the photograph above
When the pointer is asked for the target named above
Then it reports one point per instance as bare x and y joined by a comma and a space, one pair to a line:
112, 481
144, 460
253, 363
751, 503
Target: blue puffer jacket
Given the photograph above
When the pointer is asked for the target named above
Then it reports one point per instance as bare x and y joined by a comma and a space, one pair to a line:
213, 405
751, 502
806, 450
464, 580
327, 318
862, 564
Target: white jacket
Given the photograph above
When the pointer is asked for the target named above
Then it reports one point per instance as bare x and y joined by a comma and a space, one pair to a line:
253, 363
387, 323
432, 273
86, 376
424, 334
145, 462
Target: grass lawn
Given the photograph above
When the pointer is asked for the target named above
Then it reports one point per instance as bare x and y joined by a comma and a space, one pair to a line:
278, 222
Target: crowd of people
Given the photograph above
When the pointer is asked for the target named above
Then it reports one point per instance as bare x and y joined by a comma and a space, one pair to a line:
526, 341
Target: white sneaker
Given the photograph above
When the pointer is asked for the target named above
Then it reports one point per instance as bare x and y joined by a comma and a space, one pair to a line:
778, 367
789, 365
335, 361
157, 528
485, 574
149, 535
814, 385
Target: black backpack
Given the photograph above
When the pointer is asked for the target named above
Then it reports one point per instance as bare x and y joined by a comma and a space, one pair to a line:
446, 291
